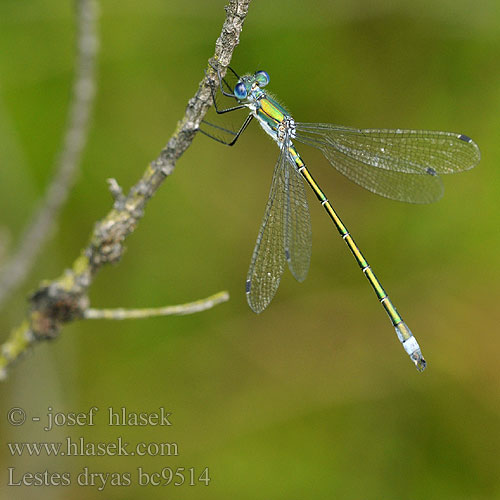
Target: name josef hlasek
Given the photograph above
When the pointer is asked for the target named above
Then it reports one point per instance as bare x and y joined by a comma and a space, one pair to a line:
115, 417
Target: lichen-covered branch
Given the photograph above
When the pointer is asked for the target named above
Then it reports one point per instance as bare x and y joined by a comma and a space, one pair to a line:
65, 298
36, 234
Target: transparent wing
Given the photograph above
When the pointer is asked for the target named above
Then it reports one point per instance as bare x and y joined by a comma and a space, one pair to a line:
298, 235
399, 164
268, 258
285, 234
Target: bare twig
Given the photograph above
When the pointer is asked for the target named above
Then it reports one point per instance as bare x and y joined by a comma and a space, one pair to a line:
150, 312
17, 267
65, 299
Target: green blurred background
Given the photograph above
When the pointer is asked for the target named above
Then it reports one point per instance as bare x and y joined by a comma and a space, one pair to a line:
315, 398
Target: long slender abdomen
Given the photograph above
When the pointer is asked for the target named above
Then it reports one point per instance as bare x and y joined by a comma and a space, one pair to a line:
404, 334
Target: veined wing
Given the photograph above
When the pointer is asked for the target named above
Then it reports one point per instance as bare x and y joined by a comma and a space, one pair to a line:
399, 164
285, 234
268, 258
298, 234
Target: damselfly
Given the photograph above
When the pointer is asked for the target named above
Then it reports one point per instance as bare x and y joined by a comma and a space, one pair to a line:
400, 164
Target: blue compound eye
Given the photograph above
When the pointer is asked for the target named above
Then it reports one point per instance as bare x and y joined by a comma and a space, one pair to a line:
240, 91
262, 78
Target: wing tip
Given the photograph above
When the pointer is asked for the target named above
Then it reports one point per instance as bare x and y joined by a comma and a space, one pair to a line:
477, 152
256, 308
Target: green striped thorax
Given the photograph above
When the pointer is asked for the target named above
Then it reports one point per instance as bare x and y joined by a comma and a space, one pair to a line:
273, 118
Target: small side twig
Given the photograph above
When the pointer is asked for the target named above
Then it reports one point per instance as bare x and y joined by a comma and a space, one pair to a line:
37, 232
150, 312
116, 191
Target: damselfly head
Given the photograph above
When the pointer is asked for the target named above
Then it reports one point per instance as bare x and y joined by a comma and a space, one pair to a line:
249, 83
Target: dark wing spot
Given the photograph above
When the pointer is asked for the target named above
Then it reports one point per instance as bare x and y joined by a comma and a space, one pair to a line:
247, 286
430, 171
464, 138
287, 254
